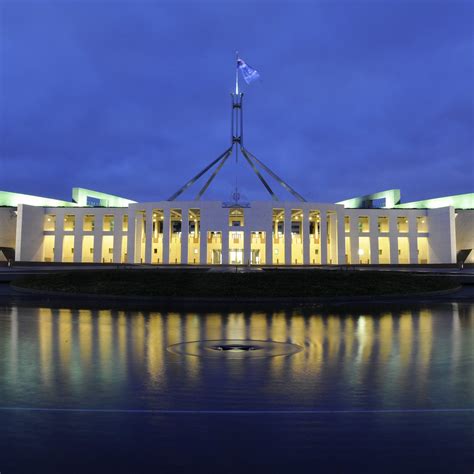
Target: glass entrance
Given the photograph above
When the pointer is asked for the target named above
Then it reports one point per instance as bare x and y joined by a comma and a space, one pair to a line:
255, 259
236, 257
216, 257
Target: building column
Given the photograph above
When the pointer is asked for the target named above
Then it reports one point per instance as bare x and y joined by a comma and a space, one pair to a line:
148, 234
184, 235
202, 244
138, 236
78, 236
131, 236
305, 236
58, 246
166, 235
354, 239
97, 247
333, 238
393, 236
341, 239
323, 238
118, 223
374, 240
287, 235
268, 229
412, 238
247, 245
59, 237
225, 245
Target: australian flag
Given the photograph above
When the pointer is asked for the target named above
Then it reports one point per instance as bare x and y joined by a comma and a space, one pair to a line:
248, 73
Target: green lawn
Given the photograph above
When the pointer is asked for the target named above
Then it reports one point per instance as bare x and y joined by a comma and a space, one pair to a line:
200, 283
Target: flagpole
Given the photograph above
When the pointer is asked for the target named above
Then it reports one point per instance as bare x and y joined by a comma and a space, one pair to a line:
236, 73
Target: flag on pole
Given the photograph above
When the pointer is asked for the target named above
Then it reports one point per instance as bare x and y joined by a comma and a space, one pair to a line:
248, 73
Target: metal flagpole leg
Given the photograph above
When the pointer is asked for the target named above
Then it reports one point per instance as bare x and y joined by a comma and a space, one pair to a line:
213, 175
269, 189
195, 178
271, 173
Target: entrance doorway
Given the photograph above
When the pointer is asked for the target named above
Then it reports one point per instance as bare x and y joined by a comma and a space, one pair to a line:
236, 257
255, 257
217, 257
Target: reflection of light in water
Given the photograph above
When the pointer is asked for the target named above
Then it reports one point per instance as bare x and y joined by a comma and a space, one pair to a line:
65, 338
87, 345
14, 340
278, 327
155, 343
334, 338
258, 326
213, 326
456, 335
363, 338
85, 337
297, 330
138, 337
45, 330
105, 341
235, 326
193, 333
173, 328
425, 338
405, 337
298, 336
385, 336
122, 322
348, 337
315, 338
278, 332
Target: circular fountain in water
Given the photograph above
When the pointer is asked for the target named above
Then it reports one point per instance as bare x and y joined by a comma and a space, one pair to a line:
234, 348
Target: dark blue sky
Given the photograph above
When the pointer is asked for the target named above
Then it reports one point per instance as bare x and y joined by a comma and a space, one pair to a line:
132, 98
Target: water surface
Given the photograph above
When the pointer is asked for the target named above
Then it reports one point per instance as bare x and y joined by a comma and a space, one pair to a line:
375, 389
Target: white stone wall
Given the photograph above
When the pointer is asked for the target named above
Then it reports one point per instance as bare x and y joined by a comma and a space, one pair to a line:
29, 235
8, 218
441, 232
465, 232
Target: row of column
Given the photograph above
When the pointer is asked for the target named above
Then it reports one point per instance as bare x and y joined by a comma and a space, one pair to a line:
393, 235
135, 238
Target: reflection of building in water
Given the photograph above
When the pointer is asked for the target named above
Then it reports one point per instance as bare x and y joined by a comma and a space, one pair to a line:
114, 345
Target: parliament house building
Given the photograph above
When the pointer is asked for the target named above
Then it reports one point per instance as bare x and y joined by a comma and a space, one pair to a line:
371, 230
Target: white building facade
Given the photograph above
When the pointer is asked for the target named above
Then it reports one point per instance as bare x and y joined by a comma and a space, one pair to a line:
90, 230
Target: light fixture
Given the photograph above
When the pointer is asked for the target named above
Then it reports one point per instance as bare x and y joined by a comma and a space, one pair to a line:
360, 251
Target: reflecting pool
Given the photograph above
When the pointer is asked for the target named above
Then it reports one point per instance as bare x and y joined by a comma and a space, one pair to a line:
372, 389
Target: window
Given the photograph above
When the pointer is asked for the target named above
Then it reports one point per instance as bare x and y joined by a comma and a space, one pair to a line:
422, 224
363, 223
108, 223
382, 224
49, 222
89, 222
236, 217
69, 222
402, 224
